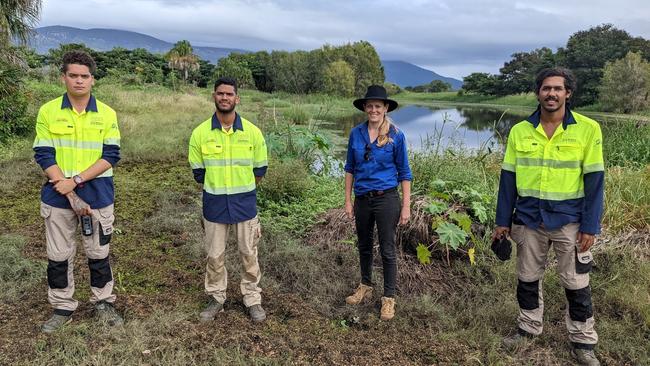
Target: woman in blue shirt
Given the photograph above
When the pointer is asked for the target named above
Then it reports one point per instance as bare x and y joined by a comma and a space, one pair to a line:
377, 161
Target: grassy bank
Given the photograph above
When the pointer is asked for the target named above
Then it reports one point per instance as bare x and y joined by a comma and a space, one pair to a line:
520, 100
448, 314
524, 102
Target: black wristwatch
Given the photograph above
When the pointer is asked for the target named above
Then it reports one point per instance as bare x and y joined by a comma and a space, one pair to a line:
78, 181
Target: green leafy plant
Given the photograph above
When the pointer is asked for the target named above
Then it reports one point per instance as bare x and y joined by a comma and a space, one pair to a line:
436, 207
451, 235
423, 254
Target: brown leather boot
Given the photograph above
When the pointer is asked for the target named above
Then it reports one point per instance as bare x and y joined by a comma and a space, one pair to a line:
387, 308
363, 292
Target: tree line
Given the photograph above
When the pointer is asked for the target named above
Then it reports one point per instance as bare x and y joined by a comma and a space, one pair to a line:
611, 67
341, 70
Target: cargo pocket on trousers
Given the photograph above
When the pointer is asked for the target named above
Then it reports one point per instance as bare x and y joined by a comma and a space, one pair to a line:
584, 261
106, 219
256, 230
46, 211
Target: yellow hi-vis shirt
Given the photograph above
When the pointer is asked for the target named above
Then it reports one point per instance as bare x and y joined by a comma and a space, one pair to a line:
555, 180
552, 169
75, 141
226, 163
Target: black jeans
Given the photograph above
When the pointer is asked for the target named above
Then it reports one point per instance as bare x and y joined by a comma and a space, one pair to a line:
385, 211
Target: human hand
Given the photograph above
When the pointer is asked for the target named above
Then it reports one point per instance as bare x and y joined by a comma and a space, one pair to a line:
63, 186
500, 231
405, 215
585, 241
79, 206
349, 209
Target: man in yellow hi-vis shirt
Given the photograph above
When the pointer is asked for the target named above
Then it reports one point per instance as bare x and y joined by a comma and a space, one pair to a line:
551, 194
228, 156
77, 144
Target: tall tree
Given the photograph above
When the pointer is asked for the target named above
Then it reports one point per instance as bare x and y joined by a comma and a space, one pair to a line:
339, 79
519, 73
181, 57
626, 84
229, 67
483, 83
17, 19
587, 52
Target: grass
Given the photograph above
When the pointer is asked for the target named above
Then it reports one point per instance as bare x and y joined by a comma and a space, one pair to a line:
158, 261
13, 266
522, 100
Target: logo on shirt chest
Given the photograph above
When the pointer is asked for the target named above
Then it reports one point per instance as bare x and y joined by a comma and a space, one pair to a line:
65, 122
96, 122
569, 140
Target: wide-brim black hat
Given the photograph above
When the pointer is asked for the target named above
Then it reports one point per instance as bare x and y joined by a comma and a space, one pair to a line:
375, 92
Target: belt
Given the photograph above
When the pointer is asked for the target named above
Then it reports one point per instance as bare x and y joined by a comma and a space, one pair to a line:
379, 193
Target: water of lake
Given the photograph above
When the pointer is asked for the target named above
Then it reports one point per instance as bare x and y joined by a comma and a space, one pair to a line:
448, 127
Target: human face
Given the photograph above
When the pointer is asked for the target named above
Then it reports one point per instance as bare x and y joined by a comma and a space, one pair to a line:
376, 110
78, 80
552, 95
225, 98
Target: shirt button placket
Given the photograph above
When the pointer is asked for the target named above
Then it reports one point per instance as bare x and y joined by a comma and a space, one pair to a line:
228, 160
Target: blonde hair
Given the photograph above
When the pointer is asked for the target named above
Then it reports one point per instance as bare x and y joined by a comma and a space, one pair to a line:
384, 129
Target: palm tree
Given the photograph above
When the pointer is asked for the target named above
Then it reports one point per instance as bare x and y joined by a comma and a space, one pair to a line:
17, 19
181, 57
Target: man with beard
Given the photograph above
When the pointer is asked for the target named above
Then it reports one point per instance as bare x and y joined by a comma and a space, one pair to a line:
228, 157
551, 194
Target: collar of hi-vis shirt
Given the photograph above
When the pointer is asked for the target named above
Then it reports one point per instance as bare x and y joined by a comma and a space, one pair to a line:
237, 125
90, 107
536, 117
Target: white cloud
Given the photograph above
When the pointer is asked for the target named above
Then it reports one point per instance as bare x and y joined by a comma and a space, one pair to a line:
459, 36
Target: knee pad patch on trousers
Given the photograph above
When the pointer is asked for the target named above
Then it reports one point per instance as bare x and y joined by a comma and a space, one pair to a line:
100, 272
57, 274
580, 308
528, 295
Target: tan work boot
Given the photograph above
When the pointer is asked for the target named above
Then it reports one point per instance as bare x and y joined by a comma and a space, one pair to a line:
387, 308
363, 292
585, 357
516, 340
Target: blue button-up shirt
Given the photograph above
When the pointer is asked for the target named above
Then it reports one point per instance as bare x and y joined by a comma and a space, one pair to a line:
376, 168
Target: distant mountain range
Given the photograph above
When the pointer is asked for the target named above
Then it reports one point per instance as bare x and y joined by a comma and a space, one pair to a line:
406, 74
397, 72
107, 39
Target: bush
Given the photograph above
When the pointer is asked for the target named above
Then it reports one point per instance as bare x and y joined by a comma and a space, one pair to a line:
13, 101
392, 89
626, 84
285, 181
296, 115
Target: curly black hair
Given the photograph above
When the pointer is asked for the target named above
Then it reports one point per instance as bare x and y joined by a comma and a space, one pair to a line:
226, 81
78, 58
570, 82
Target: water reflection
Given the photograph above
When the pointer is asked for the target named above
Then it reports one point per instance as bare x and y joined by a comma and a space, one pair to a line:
451, 127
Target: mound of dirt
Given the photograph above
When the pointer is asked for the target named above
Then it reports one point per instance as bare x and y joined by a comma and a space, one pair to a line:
335, 231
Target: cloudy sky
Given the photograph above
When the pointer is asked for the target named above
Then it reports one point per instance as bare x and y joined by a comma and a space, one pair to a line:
451, 37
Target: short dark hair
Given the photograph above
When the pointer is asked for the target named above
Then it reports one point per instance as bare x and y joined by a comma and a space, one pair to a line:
78, 57
226, 81
570, 82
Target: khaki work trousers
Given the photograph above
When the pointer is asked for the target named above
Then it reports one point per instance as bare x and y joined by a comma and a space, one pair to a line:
216, 276
573, 269
60, 234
